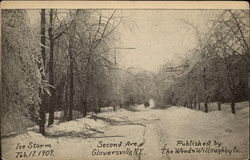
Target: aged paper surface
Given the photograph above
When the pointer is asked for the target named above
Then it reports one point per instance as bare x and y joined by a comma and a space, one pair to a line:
124, 80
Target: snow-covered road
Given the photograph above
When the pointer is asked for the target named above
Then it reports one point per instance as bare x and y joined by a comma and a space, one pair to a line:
145, 134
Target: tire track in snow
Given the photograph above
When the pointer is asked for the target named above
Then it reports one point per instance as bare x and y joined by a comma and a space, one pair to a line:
152, 137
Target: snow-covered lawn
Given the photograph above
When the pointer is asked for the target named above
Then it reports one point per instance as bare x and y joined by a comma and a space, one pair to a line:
181, 124
151, 128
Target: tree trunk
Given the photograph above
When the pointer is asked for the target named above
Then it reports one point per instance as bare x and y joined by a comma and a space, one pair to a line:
51, 104
42, 112
185, 104
71, 82
219, 105
248, 79
205, 88
84, 109
233, 105
95, 102
195, 105
66, 107
206, 106
199, 105
191, 105
84, 104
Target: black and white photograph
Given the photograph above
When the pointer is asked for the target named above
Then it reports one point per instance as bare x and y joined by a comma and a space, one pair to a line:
125, 83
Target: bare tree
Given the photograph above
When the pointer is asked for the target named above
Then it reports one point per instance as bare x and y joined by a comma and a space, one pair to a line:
42, 111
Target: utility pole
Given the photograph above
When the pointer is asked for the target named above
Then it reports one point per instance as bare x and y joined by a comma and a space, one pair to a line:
116, 84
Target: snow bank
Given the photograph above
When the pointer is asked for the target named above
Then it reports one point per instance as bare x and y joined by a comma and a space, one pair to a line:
162, 127
244, 110
186, 124
79, 125
107, 109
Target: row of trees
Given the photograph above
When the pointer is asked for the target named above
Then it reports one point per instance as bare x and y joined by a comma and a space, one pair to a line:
218, 68
64, 62
80, 64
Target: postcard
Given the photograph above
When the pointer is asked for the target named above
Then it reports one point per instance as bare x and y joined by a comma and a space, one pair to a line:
122, 80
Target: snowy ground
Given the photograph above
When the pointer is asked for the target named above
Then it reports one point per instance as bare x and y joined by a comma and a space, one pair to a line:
145, 132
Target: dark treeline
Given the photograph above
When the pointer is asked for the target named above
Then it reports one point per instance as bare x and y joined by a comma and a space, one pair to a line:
65, 62
217, 70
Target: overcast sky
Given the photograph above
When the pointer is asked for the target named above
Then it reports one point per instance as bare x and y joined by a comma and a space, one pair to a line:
160, 36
